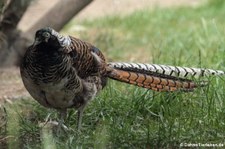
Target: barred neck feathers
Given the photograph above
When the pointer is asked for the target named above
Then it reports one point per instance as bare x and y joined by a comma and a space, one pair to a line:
64, 41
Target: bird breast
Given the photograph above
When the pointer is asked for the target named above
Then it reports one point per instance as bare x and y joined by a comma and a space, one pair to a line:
59, 83
57, 95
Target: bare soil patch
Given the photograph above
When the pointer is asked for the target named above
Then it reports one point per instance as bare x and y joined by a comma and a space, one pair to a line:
11, 86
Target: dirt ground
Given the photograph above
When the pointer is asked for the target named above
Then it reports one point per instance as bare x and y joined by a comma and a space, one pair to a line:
11, 86
99, 8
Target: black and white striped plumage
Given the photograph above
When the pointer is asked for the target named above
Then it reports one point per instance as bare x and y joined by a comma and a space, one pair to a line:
65, 72
175, 71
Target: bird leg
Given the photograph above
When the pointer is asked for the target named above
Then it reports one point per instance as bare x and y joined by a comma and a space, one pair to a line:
62, 116
80, 116
56, 125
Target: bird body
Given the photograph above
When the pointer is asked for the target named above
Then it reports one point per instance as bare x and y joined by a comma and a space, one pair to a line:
65, 72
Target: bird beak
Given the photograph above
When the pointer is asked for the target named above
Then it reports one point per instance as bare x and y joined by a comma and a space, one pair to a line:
36, 42
46, 40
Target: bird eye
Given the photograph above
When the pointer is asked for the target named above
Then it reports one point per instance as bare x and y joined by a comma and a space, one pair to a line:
46, 34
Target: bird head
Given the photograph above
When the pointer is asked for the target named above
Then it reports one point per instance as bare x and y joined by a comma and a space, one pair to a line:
51, 37
42, 36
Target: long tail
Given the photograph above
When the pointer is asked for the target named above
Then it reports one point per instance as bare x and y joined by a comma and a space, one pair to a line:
159, 77
175, 71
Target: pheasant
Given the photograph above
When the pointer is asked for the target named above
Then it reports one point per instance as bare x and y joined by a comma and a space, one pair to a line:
64, 72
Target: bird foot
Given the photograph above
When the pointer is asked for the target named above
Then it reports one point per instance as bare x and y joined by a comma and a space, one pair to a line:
57, 127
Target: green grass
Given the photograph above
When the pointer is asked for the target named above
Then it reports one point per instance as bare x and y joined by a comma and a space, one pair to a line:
124, 116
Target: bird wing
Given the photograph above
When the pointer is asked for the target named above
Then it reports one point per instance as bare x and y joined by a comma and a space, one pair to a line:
87, 59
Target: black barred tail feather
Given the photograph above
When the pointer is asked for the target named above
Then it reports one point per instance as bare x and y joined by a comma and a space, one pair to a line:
152, 82
175, 71
160, 77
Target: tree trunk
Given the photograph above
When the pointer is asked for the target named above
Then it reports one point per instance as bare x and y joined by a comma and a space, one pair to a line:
11, 13
60, 14
56, 18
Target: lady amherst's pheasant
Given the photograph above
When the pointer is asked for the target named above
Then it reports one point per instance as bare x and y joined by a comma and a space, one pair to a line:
64, 72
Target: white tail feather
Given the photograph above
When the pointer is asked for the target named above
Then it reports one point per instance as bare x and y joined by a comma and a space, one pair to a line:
176, 71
